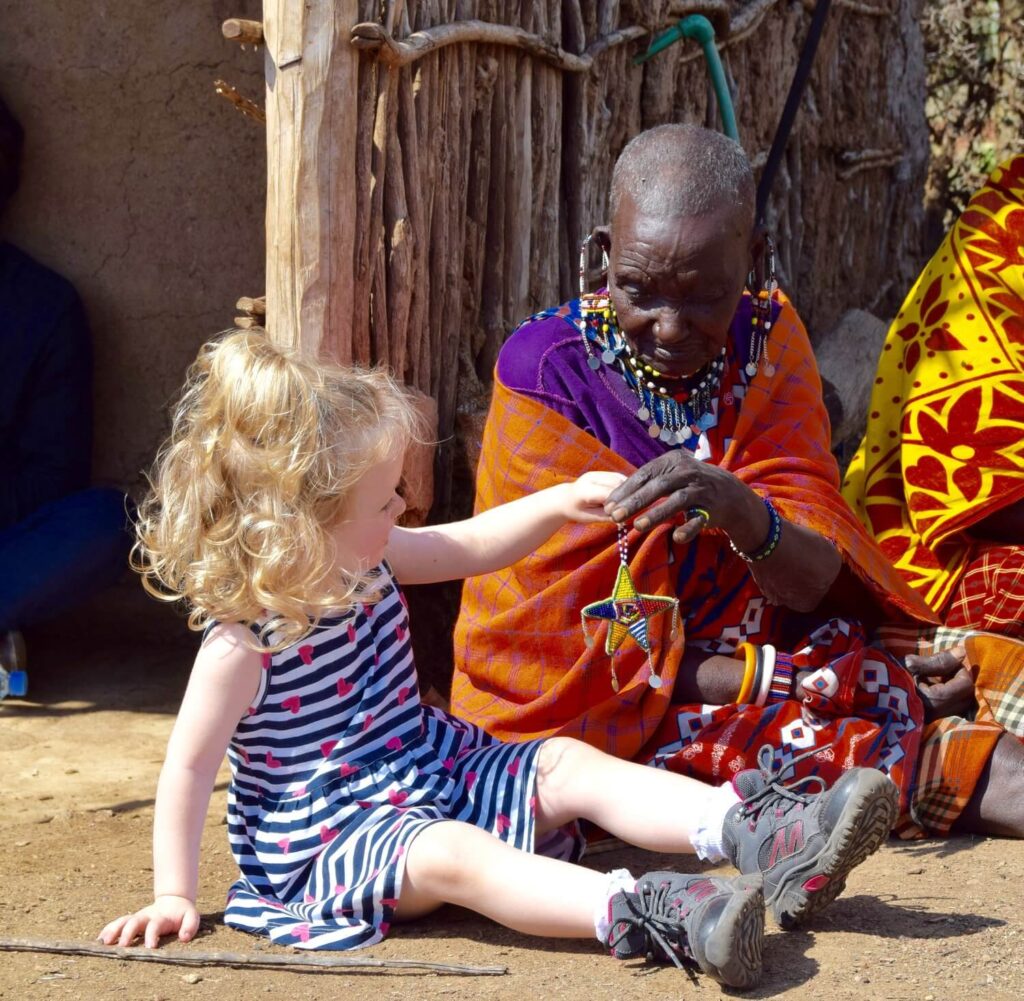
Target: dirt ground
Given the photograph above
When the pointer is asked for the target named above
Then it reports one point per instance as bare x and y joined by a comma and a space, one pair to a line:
928, 920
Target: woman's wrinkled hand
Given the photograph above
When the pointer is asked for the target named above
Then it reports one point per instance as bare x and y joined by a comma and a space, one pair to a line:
667, 487
588, 494
165, 916
944, 682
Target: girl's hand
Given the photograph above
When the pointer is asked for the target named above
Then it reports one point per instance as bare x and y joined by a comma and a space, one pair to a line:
667, 487
164, 916
588, 494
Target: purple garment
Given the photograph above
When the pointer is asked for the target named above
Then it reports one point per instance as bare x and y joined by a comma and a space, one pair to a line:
545, 359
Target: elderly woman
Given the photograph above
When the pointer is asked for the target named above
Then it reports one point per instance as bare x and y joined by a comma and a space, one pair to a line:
728, 611
939, 482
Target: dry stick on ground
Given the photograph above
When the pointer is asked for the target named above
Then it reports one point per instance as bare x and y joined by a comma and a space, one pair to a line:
242, 960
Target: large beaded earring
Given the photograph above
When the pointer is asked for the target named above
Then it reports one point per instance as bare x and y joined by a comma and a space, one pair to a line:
599, 338
761, 314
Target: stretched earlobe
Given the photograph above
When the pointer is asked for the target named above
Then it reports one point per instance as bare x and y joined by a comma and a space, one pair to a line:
602, 236
593, 237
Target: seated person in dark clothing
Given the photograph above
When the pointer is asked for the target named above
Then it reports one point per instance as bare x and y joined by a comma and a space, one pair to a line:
60, 540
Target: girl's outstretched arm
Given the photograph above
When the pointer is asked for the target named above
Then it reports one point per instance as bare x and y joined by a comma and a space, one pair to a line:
499, 537
223, 682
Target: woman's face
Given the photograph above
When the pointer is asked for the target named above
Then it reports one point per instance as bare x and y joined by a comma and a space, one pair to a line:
675, 283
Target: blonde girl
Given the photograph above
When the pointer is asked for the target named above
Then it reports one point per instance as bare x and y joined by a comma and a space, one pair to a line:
352, 805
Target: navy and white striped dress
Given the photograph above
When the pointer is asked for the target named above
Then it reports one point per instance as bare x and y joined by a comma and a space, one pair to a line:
336, 768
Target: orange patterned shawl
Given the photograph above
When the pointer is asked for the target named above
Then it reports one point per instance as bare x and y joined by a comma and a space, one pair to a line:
522, 669
945, 439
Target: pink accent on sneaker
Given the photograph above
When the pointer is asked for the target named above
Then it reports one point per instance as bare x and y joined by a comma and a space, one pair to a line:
816, 883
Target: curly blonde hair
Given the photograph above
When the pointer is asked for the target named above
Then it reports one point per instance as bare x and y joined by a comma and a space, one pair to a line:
265, 447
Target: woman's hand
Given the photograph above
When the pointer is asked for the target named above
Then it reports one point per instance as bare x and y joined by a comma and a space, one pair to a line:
588, 494
672, 484
944, 682
165, 916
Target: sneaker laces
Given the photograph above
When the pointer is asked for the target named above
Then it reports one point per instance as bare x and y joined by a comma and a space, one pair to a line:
796, 792
653, 915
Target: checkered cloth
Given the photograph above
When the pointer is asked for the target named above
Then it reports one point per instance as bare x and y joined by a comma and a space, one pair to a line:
955, 750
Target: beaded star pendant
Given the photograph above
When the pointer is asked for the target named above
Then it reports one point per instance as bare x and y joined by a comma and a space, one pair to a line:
628, 613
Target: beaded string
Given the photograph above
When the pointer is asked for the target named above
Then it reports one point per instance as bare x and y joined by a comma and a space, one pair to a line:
761, 317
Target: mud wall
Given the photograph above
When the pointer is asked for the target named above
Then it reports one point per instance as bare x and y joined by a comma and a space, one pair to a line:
140, 185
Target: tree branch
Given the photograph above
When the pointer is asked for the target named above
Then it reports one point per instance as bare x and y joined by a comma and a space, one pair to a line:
372, 37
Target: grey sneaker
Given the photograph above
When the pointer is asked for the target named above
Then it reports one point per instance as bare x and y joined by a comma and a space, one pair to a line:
705, 921
804, 841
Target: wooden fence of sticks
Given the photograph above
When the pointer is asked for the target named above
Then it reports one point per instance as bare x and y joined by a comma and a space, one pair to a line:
433, 165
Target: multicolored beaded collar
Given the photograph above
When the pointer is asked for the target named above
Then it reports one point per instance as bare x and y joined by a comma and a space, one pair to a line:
673, 409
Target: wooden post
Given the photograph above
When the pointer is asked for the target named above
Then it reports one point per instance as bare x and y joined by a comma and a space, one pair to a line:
311, 71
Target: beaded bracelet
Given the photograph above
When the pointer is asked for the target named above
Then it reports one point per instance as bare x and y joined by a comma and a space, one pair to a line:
766, 676
768, 546
782, 679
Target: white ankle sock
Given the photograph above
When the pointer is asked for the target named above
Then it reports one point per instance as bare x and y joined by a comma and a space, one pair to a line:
706, 836
618, 879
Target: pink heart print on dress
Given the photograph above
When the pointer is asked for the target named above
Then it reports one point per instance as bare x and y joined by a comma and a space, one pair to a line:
306, 653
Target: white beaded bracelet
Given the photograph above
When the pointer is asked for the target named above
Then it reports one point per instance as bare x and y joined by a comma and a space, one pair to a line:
767, 672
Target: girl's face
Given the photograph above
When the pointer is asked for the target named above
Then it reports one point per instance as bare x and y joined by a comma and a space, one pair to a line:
373, 507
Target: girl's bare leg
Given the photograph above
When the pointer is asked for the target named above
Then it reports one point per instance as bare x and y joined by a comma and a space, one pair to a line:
648, 807
456, 863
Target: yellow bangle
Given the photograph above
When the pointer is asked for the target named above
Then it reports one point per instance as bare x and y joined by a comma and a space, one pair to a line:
750, 655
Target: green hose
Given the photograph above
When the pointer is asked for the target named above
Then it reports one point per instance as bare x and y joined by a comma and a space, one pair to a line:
699, 28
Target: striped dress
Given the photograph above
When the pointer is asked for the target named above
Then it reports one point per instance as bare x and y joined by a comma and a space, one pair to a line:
337, 766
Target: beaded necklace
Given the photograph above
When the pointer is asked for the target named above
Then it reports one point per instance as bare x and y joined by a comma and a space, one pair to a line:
673, 413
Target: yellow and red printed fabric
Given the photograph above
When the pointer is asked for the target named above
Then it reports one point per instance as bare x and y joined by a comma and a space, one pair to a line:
944, 446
